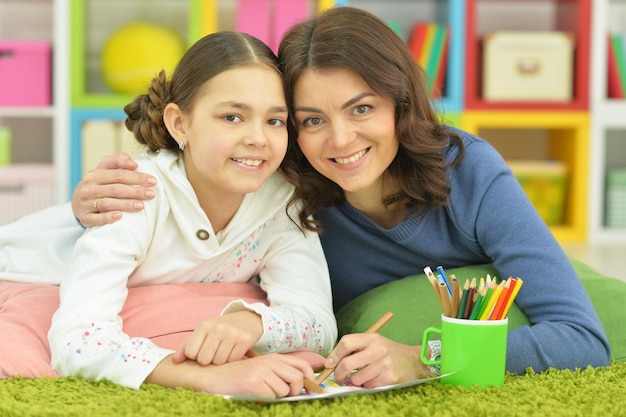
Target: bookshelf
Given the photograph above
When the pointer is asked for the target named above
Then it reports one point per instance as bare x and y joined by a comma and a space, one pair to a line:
608, 127
587, 133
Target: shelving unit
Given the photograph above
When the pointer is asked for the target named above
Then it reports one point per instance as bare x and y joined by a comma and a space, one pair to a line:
608, 131
39, 133
92, 22
587, 133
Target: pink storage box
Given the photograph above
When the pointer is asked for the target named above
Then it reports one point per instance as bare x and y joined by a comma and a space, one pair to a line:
25, 73
25, 188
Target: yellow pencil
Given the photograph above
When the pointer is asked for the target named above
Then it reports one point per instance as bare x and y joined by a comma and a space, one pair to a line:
492, 301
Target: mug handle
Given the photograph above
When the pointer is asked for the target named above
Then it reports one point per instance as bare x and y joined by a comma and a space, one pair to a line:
427, 333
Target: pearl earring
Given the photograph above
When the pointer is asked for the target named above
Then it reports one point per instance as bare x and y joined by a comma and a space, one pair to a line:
181, 145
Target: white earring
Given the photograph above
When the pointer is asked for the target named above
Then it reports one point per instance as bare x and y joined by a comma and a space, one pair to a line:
181, 145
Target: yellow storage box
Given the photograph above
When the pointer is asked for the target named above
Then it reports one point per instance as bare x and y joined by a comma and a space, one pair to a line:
545, 184
528, 66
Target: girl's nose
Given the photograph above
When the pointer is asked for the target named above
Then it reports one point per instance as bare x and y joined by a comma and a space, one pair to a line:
256, 136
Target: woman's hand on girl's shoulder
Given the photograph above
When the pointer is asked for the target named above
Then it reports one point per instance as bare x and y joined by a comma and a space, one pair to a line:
110, 189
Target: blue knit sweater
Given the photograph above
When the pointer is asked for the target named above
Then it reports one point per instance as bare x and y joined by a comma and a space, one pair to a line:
489, 219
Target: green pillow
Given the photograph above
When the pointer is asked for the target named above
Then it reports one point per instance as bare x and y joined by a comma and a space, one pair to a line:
416, 307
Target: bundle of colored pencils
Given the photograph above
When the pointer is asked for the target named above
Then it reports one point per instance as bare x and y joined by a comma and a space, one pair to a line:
482, 299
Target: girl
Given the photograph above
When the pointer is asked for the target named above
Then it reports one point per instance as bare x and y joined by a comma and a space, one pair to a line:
216, 134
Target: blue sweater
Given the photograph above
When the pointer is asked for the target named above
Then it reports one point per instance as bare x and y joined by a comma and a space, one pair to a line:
489, 219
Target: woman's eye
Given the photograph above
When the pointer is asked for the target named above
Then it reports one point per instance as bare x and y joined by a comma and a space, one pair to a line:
276, 122
312, 121
232, 118
362, 109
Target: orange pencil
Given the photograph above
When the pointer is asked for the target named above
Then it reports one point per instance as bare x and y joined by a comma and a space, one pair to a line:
501, 302
375, 327
518, 284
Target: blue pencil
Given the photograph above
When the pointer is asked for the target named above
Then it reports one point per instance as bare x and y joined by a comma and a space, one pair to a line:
445, 279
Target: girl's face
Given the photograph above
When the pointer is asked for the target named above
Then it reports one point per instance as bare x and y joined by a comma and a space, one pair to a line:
346, 130
237, 133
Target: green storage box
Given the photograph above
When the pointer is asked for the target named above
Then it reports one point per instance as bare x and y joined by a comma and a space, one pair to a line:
5, 146
616, 198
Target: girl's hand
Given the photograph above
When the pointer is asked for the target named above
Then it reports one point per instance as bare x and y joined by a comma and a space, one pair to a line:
221, 339
273, 375
109, 189
378, 361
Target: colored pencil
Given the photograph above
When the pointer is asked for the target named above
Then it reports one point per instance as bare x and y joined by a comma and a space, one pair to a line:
456, 295
490, 288
501, 302
375, 327
445, 279
518, 285
308, 384
492, 301
470, 299
463, 302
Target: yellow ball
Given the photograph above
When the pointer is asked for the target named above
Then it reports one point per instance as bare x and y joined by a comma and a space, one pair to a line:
135, 53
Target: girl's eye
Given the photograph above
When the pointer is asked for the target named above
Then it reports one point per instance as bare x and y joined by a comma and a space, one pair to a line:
232, 118
311, 121
276, 122
362, 109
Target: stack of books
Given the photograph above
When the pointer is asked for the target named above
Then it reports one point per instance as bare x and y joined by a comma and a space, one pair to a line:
617, 65
429, 45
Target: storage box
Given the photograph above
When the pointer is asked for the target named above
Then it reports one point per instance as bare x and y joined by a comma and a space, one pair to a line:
25, 73
25, 188
545, 184
5, 146
528, 66
616, 198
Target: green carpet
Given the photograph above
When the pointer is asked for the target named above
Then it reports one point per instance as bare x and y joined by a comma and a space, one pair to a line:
591, 392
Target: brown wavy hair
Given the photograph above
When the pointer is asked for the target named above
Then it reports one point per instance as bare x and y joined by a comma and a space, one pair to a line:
350, 38
208, 57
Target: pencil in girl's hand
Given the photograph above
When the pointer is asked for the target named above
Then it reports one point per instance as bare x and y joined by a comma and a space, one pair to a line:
308, 384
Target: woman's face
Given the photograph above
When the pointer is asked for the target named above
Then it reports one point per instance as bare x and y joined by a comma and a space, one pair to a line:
346, 130
237, 132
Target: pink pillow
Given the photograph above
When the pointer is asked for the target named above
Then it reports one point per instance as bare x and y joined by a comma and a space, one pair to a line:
167, 314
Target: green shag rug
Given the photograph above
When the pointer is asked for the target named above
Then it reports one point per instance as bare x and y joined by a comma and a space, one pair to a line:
591, 392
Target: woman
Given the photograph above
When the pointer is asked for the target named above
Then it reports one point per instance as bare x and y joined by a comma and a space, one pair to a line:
392, 190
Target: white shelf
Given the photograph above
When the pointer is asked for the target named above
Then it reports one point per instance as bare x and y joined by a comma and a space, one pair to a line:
608, 150
41, 132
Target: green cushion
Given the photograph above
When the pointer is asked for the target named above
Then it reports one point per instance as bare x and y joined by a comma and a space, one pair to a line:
415, 306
